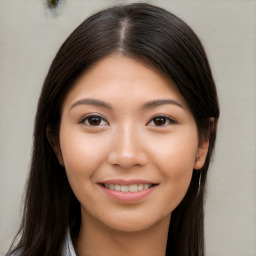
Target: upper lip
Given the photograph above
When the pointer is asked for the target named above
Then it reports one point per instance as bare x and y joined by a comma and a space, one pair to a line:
127, 182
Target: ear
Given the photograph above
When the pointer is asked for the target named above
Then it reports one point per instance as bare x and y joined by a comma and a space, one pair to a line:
201, 154
203, 146
54, 142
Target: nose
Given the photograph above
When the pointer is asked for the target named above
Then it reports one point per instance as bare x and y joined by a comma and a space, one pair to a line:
127, 149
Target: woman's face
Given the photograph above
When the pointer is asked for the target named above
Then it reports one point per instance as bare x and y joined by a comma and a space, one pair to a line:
129, 144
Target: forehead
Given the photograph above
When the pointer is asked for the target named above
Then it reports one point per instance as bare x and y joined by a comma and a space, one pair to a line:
120, 79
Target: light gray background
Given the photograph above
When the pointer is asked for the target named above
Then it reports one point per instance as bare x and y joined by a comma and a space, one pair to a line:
30, 35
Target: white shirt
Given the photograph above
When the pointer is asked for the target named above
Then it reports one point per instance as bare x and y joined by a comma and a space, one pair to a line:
68, 248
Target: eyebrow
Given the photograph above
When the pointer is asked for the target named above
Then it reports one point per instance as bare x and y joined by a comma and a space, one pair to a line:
150, 104
93, 102
158, 102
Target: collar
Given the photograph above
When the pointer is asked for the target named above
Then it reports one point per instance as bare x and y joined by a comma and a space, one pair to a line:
68, 248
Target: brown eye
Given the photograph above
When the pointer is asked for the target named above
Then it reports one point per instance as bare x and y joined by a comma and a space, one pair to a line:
161, 121
94, 121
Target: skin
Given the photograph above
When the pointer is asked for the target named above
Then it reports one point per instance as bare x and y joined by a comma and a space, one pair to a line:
127, 143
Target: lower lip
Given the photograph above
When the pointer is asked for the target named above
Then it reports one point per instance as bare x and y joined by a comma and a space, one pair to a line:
128, 196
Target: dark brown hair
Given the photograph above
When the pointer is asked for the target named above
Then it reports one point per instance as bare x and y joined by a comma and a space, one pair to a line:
165, 42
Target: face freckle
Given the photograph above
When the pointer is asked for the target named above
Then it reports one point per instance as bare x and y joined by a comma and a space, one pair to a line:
126, 125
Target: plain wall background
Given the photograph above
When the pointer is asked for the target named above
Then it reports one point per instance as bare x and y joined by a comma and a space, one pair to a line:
30, 36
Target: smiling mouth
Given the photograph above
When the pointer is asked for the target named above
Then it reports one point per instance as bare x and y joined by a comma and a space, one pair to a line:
133, 188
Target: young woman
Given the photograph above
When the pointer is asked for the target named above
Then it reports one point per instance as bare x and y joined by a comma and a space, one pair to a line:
124, 133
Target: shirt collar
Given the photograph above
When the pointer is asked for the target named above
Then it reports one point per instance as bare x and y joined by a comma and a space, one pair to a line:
68, 248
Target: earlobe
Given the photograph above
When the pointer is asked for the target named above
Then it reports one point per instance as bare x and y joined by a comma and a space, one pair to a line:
54, 142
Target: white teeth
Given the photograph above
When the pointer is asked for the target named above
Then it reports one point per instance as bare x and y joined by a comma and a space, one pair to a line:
133, 188
117, 187
111, 186
124, 188
145, 186
140, 187
128, 188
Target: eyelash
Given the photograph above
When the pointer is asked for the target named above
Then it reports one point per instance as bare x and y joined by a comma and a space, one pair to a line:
87, 117
167, 119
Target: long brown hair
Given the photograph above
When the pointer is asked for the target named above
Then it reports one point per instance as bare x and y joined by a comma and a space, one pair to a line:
158, 38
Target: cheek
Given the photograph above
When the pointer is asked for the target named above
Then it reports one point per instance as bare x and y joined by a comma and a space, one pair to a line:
174, 157
83, 154
78, 149
176, 152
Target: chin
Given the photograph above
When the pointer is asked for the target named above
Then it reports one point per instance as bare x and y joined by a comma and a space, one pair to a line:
135, 223
131, 227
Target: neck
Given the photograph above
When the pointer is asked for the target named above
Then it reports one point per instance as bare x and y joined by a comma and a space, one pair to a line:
97, 239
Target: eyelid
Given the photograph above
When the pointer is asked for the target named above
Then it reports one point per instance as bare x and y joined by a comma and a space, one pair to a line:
82, 120
170, 119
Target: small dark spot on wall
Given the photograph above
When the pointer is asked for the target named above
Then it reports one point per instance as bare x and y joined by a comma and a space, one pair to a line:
53, 4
